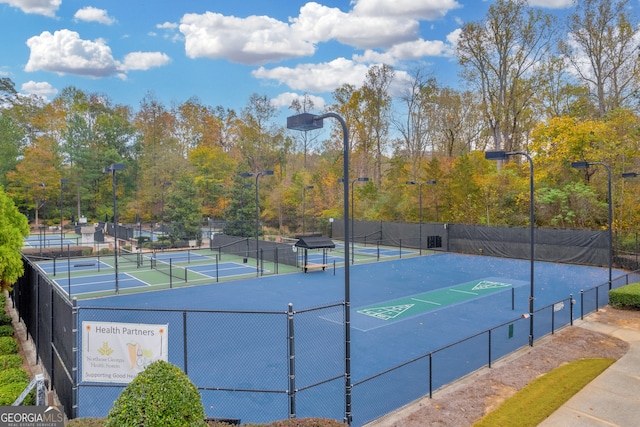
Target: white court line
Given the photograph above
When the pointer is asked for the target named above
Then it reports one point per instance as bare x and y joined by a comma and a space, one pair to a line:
425, 301
463, 292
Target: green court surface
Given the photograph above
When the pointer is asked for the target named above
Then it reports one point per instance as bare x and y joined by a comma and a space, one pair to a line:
428, 301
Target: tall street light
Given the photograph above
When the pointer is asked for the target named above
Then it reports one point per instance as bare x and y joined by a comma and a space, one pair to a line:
42, 228
63, 183
164, 185
502, 155
112, 169
585, 165
258, 175
304, 190
420, 184
305, 122
353, 214
26, 201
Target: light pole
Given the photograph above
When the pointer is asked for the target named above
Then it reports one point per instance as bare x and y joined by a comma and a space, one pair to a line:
353, 214
164, 185
26, 201
502, 155
304, 189
63, 183
585, 165
258, 175
304, 122
420, 184
112, 170
42, 228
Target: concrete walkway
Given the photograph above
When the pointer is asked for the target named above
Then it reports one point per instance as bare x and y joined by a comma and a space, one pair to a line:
613, 398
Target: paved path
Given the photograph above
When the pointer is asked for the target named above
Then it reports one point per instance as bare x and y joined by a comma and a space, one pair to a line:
613, 398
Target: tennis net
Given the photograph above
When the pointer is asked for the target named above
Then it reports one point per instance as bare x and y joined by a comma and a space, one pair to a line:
135, 257
169, 269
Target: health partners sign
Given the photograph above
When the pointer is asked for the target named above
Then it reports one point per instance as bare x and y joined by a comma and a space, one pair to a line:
117, 352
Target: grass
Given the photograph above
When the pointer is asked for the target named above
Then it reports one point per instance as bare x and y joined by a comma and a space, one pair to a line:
543, 396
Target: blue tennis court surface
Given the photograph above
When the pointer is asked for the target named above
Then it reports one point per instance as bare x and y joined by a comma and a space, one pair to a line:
62, 267
452, 297
102, 282
222, 269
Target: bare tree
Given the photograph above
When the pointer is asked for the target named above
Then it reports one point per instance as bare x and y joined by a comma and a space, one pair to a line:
499, 56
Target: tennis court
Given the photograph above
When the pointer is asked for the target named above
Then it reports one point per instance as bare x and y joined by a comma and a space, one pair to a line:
401, 309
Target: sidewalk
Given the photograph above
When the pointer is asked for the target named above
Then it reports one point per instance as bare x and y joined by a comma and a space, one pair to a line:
613, 398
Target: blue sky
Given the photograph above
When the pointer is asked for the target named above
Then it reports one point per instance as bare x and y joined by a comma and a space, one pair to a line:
224, 51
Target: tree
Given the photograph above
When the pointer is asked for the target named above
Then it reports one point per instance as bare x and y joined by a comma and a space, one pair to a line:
499, 56
307, 138
13, 229
182, 210
240, 214
603, 49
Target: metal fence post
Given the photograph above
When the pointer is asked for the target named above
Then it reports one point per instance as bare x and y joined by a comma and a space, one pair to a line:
292, 364
76, 356
571, 302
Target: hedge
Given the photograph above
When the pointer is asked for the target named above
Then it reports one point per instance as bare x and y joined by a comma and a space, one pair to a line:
626, 297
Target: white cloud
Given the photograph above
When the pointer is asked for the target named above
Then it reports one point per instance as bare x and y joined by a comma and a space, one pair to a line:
145, 60
413, 9
43, 89
552, 4
64, 52
315, 78
167, 26
317, 23
92, 14
253, 40
285, 99
36, 7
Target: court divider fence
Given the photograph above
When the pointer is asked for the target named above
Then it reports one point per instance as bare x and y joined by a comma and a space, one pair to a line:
299, 354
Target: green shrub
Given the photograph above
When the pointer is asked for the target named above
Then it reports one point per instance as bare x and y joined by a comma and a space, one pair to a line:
6, 331
161, 395
3, 300
13, 375
86, 422
626, 297
8, 345
10, 392
5, 319
8, 361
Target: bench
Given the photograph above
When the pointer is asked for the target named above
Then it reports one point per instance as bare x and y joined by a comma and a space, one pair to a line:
313, 266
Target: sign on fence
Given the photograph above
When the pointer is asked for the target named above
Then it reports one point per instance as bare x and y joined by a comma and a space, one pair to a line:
117, 352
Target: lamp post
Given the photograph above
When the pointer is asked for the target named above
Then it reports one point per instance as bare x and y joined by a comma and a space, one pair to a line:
42, 228
304, 122
353, 214
63, 183
26, 201
585, 165
502, 155
112, 169
633, 175
420, 184
164, 185
304, 189
258, 175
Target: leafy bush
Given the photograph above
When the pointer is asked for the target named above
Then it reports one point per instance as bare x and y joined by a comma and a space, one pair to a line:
8, 345
10, 392
626, 297
3, 300
13, 375
8, 361
6, 331
86, 422
161, 395
5, 319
